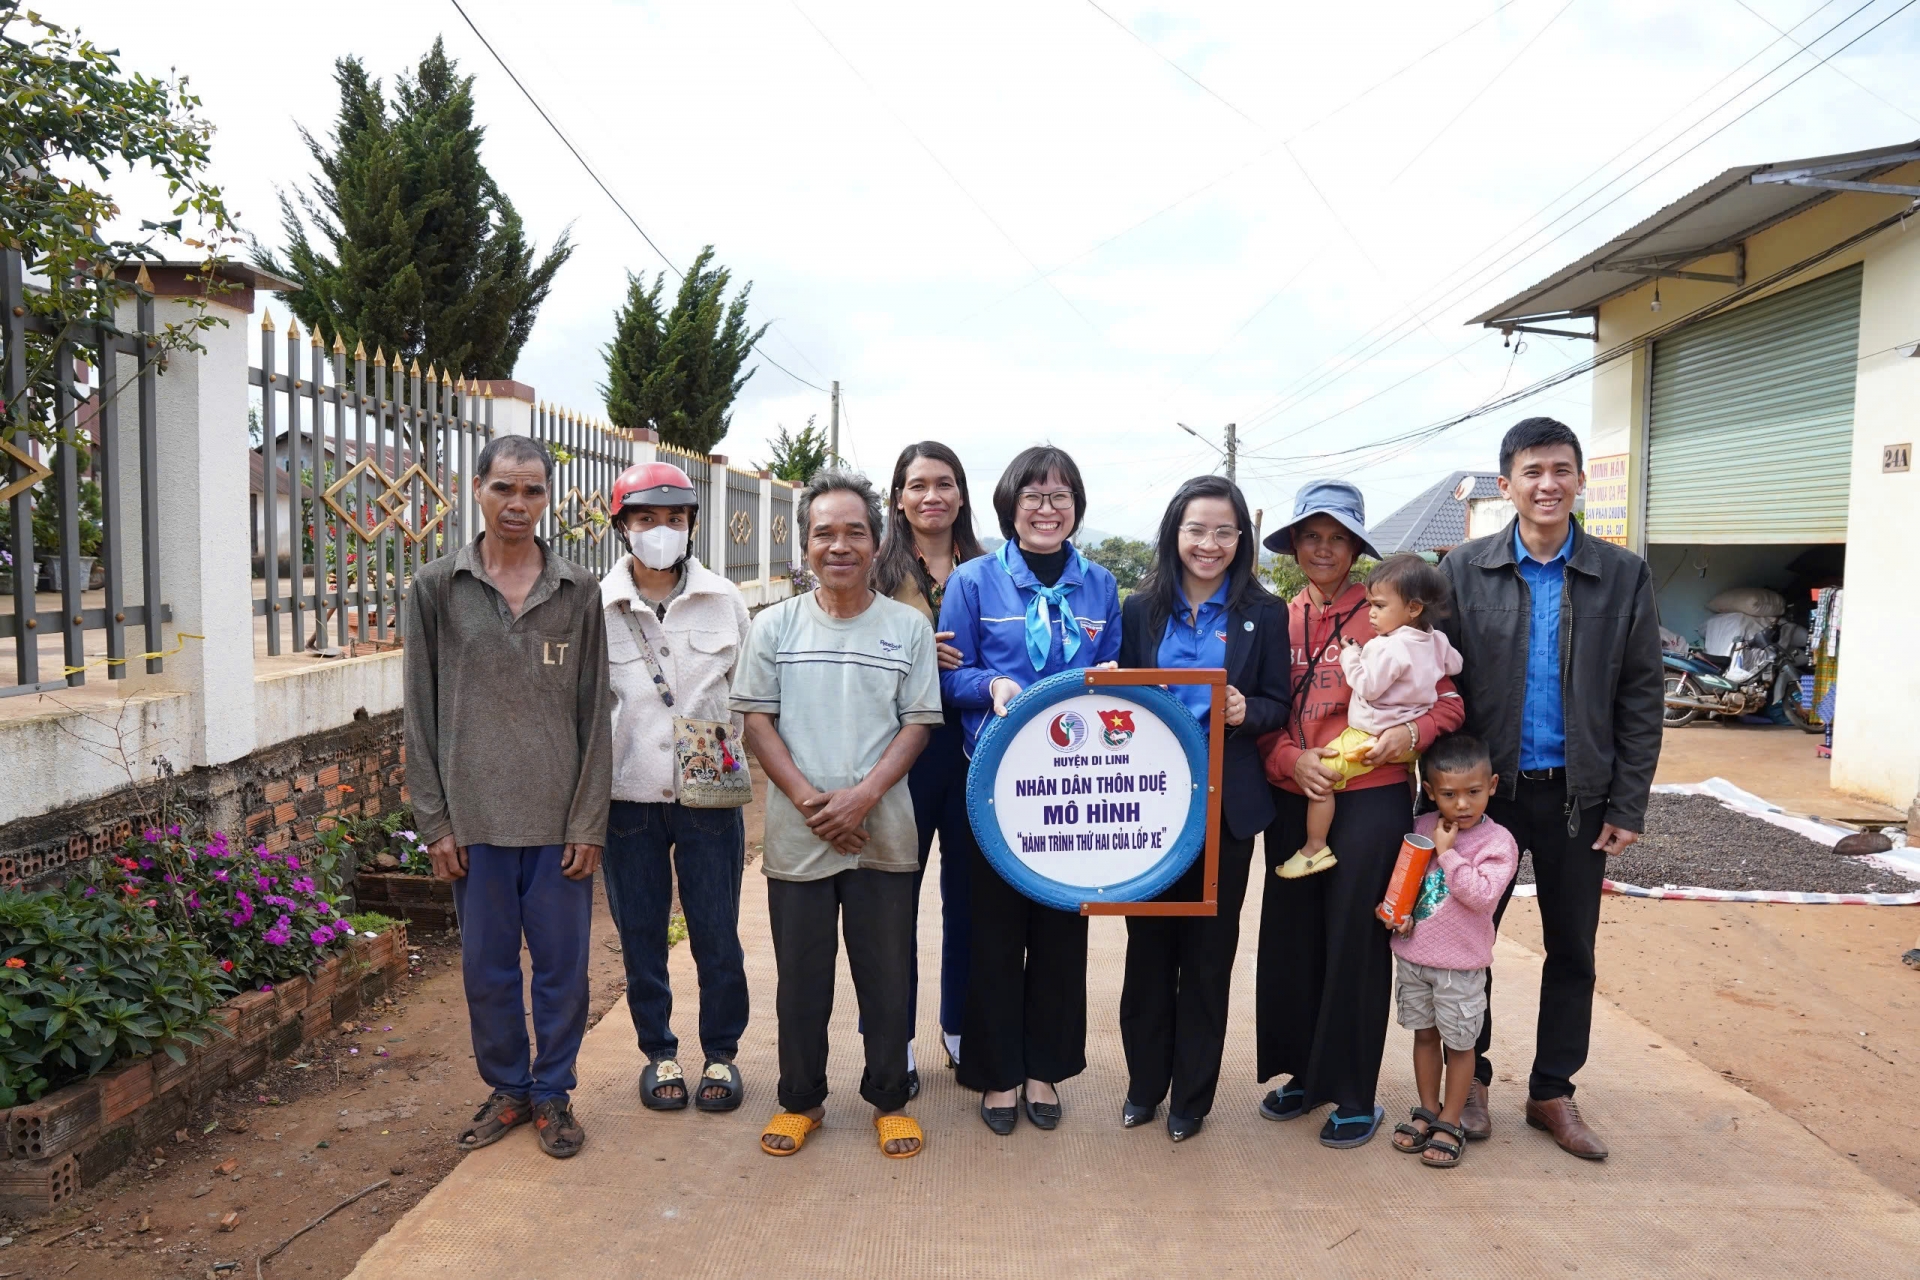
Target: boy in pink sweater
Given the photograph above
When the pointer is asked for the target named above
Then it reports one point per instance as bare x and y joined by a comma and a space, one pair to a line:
1442, 952
1394, 679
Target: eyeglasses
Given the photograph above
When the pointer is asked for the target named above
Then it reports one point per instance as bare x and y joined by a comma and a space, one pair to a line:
1031, 501
1224, 536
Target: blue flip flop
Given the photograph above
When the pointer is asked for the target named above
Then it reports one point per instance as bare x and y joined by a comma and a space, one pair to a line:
1289, 1103
1331, 1134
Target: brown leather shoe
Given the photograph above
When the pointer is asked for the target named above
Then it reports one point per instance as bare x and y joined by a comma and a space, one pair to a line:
1474, 1117
1561, 1118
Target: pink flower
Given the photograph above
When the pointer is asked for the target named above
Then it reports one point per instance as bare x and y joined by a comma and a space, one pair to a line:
245, 913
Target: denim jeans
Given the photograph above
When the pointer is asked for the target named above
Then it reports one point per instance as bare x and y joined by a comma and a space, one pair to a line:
708, 848
506, 894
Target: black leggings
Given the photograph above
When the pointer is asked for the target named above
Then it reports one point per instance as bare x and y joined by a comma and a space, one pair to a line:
1325, 970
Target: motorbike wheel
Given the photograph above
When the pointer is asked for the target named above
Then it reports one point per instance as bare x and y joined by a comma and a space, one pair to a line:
1680, 687
1788, 687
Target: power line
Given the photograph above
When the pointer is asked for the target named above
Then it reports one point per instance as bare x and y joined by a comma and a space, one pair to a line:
1320, 381
1885, 101
567, 142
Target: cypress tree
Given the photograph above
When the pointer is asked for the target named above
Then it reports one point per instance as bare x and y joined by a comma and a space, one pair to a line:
414, 249
679, 371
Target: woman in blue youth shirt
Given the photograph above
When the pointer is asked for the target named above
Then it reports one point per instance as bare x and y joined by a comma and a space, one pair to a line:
1201, 605
1034, 607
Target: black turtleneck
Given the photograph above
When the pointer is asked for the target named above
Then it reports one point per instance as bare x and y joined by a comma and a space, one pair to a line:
1048, 566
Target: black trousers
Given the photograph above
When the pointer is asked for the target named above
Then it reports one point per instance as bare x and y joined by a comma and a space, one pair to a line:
1325, 975
875, 911
1173, 1006
1027, 990
1568, 870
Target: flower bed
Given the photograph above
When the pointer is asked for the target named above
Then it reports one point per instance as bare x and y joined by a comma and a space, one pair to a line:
149, 981
395, 876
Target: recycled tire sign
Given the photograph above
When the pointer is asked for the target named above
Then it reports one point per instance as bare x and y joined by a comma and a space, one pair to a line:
1090, 794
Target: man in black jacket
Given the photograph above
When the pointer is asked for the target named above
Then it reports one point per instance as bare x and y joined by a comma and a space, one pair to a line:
1562, 679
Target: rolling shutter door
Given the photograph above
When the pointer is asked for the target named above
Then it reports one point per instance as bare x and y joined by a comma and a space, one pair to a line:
1752, 423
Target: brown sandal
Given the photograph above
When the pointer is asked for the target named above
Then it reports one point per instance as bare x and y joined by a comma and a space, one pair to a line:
498, 1114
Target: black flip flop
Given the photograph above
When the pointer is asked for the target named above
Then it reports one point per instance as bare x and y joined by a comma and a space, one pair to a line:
728, 1079
651, 1079
1289, 1103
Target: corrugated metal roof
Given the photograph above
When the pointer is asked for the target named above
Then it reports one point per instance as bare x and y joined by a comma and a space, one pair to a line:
1712, 218
1437, 519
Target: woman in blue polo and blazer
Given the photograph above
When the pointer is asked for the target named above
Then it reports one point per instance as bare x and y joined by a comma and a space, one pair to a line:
1032, 609
1201, 605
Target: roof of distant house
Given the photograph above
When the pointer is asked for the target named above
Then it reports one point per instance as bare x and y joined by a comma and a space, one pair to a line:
1437, 519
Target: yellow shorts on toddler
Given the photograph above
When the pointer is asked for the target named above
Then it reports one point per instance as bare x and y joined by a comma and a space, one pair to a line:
1353, 745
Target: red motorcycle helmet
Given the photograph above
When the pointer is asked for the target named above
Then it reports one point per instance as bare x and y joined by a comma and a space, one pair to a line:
654, 484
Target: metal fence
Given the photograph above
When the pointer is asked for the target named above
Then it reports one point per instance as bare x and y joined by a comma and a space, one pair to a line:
587, 455
782, 529
362, 479
743, 525
98, 486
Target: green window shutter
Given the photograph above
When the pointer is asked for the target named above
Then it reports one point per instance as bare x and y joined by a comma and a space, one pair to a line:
1752, 425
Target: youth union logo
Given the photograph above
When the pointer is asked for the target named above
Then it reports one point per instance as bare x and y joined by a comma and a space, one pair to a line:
1068, 732
1116, 727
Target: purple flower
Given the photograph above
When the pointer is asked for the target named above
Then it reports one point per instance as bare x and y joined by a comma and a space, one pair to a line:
221, 876
408, 835
245, 913
265, 882
193, 903
170, 878
266, 986
260, 850
293, 862
325, 909
146, 864
322, 936
303, 885
90, 891
150, 836
174, 830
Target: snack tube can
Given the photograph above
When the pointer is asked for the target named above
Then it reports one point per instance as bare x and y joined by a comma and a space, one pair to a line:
1403, 890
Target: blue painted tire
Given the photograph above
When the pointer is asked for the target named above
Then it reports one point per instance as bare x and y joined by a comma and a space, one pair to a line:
999, 733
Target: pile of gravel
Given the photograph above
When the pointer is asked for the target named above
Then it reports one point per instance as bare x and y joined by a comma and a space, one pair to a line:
1696, 841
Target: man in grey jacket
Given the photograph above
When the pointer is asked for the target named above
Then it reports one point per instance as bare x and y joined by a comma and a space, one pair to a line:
1562, 679
509, 766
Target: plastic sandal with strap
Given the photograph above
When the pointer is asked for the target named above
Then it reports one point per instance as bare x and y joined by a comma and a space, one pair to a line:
1420, 1136
722, 1075
1446, 1141
790, 1125
896, 1128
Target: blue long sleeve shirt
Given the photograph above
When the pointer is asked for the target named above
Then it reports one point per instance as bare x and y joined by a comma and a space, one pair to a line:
985, 607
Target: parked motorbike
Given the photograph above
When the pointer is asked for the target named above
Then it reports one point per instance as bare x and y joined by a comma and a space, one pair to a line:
1760, 673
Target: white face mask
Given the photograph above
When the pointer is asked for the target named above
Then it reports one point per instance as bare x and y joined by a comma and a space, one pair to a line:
660, 547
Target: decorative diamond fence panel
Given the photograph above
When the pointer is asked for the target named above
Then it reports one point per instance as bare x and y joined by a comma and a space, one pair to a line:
362, 478
743, 526
588, 455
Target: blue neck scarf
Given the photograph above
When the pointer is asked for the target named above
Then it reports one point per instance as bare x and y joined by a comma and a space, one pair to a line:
1039, 625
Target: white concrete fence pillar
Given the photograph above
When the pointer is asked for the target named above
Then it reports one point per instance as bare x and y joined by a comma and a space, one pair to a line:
204, 548
764, 531
714, 554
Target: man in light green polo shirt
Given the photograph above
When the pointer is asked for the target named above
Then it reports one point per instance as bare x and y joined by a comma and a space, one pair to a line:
840, 688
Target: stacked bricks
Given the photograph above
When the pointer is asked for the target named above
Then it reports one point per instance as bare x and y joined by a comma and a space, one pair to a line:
76, 1136
280, 796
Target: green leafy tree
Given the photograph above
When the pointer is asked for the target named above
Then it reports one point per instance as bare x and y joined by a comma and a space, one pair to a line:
1127, 559
679, 371
796, 458
414, 249
72, 117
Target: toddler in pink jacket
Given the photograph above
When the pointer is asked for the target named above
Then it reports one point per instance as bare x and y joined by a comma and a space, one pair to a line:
1442, 953
1394, 679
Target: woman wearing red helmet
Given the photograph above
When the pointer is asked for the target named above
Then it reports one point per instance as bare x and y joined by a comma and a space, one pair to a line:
674, 633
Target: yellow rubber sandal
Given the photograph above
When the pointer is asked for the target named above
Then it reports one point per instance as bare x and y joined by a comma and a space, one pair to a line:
787, 1124
1303, 864
894, 1128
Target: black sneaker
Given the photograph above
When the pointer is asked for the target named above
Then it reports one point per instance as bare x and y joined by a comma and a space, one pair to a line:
560, 1134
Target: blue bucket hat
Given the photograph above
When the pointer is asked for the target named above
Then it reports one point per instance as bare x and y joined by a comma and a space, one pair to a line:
1334, 498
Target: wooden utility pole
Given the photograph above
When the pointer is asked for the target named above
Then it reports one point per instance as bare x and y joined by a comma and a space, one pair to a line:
833, 428
1233, 452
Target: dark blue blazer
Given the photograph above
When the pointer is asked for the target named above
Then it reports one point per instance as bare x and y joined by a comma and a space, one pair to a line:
1260, 666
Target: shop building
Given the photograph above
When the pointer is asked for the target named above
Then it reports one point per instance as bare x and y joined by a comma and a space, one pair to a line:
1755, 411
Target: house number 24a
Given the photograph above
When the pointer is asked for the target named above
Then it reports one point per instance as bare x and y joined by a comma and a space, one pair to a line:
1895, 457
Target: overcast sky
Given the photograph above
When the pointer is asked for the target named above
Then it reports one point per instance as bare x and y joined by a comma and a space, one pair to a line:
1003, 223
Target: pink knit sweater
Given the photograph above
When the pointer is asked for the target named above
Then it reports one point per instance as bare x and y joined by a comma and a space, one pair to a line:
1457, 931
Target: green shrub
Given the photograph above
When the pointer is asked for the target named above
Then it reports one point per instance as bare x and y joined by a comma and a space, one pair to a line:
89, 977
371, 922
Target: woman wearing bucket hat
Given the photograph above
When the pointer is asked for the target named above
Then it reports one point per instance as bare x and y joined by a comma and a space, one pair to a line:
1325, 973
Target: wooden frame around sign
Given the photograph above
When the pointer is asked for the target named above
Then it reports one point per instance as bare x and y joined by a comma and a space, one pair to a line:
1209, 903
